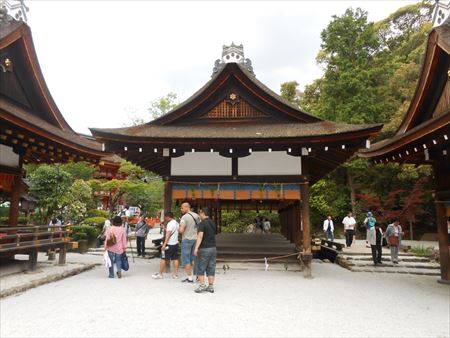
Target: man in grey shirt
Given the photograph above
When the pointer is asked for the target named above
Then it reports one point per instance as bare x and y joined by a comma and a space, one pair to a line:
188, 229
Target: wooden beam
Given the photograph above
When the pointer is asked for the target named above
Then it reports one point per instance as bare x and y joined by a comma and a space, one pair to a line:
306, 254
167, 196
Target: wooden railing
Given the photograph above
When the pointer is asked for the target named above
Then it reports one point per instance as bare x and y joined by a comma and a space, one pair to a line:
31, 239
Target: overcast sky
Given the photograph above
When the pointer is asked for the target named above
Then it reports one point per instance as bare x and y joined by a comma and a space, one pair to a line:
104, 59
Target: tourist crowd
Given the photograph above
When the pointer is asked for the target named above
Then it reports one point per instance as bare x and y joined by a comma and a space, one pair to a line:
198, 245
375, 237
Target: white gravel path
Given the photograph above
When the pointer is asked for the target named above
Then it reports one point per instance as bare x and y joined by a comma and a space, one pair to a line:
336, 303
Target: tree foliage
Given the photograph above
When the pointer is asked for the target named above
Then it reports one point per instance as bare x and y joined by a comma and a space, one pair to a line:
163, 105
289, 90
371, 71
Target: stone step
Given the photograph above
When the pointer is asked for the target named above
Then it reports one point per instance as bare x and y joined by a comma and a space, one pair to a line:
389, 265
381, 269
147, 255
387, 258
369, 253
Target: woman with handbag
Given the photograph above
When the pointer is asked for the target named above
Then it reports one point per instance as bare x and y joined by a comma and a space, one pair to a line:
116, 245
393, 236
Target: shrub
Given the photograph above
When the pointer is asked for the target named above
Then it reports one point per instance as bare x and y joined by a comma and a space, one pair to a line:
421, 251
4, 211
79, 236
4, 220
83, 231
97, 213
94, 221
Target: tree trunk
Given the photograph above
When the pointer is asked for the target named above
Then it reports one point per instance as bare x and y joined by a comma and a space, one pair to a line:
351, 186
411, 230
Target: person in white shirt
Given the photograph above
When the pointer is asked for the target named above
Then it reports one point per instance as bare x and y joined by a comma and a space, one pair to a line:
169, 249
328, 228
349, 223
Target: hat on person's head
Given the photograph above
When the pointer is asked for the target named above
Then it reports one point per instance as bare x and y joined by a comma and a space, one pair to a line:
369, 214
117, 220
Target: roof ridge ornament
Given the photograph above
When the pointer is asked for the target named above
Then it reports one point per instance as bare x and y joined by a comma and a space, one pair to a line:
233, 54
441, 13
13, 10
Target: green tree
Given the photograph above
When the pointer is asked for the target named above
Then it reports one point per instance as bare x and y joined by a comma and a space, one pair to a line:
349, 46
50, 184
289, 91
163, 105
77, 201
131, 170
79, 170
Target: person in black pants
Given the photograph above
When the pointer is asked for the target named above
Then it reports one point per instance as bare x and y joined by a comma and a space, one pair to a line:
141, 234
377, 246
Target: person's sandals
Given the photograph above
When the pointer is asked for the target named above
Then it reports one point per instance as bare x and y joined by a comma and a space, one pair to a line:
157, 276
187, 280
210, 289
174, 276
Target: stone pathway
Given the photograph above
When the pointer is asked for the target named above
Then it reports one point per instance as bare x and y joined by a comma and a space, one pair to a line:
247, 302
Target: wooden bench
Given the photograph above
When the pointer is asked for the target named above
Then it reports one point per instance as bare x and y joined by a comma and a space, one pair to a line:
30, 240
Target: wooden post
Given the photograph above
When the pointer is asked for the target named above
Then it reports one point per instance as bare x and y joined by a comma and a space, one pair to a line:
15, 201
32, 261
62, 254
219, 222
441, 168
306, 254
167, 196
444, 254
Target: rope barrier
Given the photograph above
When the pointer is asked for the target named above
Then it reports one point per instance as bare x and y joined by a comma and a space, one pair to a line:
264, 259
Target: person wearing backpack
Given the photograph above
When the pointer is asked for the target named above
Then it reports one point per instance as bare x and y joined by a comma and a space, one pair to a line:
369, 223
116, 245
188, 229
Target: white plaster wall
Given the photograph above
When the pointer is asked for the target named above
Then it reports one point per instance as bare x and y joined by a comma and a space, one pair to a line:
8, 157
200, 164
270, 163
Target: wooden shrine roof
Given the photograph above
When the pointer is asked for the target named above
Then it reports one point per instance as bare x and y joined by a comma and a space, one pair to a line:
322, 129
234, 109
427, 121
30, 119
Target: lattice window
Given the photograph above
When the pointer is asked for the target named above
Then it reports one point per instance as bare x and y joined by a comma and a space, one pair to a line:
233, 107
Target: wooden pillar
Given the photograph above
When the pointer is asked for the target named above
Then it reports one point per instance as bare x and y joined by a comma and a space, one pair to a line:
32, 261
444, 255
306, 254
15, 201
62, 255
298, 222
219, 222
441, 169
167, 196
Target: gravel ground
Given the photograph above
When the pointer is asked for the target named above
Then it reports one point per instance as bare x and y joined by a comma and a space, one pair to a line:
336, 303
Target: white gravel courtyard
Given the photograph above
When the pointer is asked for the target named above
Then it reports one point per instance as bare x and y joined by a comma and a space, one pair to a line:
336, 303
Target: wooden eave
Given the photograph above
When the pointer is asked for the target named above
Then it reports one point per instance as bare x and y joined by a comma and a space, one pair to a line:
438, 48
19, 32
400, 148
18, 123
420, 129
